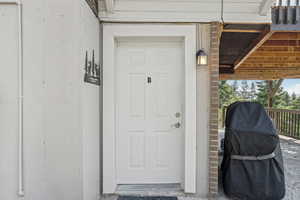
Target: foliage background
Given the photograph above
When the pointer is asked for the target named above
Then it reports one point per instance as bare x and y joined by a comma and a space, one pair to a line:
254, 91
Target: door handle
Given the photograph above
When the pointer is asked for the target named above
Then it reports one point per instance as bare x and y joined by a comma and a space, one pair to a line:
177, 125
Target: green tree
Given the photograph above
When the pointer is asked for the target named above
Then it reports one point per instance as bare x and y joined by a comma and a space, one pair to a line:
252, 92
294, 96
286, 99
270, 93
262, 92
245, 94
225, 94
295, 102
235, 87
278, 100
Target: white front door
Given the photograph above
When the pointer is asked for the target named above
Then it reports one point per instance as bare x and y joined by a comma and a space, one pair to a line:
149, 110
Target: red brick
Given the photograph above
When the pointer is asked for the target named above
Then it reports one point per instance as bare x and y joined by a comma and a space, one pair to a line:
214, 104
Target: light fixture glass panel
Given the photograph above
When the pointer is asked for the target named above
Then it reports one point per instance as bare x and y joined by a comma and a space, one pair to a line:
202, 58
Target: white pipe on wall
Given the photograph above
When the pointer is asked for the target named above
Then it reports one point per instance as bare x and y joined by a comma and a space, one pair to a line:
21, 159
20, 96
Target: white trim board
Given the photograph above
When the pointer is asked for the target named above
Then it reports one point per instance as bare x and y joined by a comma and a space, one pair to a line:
110, 33
248, 11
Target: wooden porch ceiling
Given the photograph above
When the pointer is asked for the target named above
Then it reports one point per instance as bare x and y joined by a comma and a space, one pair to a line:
260, 55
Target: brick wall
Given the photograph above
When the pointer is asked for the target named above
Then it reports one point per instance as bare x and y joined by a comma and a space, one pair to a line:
214, 102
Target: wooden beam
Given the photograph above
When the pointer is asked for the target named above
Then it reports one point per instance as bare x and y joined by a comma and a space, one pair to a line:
282, 65
286, 36
273, 53
269, 63
266, 34
276, 59
268, 69
109, 5
281, 43
265, 6
226, 70
261, 75
225, 65
241, 31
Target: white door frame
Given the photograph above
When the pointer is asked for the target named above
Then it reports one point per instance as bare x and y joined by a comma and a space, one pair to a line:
110, 33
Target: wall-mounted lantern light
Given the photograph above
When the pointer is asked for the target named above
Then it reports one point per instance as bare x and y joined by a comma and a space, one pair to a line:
202, 58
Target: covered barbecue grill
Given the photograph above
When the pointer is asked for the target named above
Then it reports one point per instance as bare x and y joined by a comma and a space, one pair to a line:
252, 166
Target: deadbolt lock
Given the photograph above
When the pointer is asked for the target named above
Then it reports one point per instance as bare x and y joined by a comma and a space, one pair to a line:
177, 115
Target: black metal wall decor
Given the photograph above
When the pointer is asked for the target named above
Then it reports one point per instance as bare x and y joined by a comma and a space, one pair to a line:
92, 70
93, 5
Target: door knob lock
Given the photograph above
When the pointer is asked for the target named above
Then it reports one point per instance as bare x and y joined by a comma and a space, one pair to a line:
177, 125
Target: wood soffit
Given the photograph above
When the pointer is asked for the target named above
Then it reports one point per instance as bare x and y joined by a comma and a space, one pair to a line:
258, 53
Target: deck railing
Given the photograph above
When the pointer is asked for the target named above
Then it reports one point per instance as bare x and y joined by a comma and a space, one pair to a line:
286, 121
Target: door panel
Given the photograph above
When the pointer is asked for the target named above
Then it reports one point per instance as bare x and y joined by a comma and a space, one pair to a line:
137, 95
137, 150
149, 93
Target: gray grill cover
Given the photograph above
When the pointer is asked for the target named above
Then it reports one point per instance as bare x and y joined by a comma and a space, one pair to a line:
251, 133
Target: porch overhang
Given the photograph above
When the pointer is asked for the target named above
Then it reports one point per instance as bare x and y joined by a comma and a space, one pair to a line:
262, 51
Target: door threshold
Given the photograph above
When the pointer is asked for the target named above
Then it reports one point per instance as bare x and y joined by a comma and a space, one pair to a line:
173, 189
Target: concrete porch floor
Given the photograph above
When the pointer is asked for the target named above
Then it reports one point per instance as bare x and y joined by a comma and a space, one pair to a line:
291, 155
